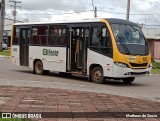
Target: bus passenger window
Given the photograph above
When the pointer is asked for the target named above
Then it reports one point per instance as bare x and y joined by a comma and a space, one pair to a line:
57, 36
64, 32
39, 35
23, 38
95, 37
16, 36
101, 41
63, 37
34, 31
108, 40
53, 36
87, 33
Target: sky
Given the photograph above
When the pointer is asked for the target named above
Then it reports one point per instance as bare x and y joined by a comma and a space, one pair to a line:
146, 12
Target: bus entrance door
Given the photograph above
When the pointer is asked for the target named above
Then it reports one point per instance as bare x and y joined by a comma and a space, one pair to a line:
81, 50
78, 50
24, 46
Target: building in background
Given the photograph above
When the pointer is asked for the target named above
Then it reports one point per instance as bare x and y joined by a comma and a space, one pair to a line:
7, 30
153, 37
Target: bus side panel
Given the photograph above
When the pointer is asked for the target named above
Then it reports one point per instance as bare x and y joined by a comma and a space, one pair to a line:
16, 55
53, 58
102, 60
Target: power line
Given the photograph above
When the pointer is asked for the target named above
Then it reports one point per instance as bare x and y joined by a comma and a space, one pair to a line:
130, 13
8, 16
102, 11
14, 8
70, 13
8, 24
151, 25
147, 21
94, 10
12, 20
54, 13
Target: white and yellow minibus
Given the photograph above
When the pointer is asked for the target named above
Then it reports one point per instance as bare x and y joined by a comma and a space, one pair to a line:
99, 49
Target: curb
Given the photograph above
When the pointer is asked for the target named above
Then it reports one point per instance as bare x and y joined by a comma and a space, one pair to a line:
158, 61
154, 74
1, 56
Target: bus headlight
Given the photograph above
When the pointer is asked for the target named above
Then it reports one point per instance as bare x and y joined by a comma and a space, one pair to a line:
121, 64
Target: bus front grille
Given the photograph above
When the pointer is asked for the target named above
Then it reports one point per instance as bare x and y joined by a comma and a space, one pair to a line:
139, 65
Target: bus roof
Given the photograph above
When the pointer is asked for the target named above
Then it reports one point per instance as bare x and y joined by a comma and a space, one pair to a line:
110, 20
120, 21
60, 22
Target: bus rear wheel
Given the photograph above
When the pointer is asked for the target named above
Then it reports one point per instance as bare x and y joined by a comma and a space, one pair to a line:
128, 80
97, 75
38, 67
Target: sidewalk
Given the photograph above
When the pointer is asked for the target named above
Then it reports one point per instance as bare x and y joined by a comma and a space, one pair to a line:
157, 61
31, 99
1, 56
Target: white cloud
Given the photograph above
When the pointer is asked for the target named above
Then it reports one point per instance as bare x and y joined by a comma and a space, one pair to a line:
76, 5
53, 10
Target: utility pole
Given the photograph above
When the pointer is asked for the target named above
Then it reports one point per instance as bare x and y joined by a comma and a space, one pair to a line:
95, 14
128, 10
2, 17
145, 22
15, 8
94, 9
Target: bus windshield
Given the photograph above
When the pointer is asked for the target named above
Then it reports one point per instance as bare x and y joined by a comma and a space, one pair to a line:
130, 39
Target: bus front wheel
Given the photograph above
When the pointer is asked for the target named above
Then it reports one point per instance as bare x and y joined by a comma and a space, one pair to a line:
39, 68
97, 75
128, 80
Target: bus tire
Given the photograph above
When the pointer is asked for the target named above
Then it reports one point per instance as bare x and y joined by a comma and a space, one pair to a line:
128, 80
39, 68
97, 75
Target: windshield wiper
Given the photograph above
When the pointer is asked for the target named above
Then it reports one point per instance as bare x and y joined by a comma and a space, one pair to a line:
123, 44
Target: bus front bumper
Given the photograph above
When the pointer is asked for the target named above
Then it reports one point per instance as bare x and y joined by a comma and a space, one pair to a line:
121, 72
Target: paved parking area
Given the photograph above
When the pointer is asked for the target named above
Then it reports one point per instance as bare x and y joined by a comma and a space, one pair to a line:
143, 88
35, 99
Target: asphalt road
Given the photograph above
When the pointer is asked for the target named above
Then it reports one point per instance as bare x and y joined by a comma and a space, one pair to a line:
143, 87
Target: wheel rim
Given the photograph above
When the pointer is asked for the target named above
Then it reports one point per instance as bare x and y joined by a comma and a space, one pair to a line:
97, 76
38, 67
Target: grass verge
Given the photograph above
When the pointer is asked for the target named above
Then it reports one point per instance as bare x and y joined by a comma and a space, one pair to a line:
155, 71
5, 53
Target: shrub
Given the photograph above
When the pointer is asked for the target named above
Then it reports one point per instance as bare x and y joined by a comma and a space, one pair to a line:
156, 65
